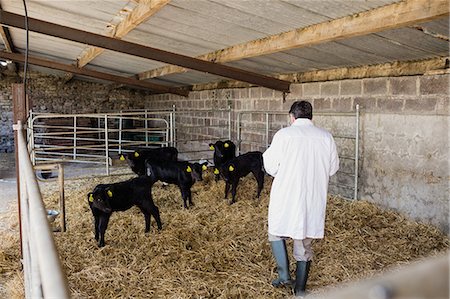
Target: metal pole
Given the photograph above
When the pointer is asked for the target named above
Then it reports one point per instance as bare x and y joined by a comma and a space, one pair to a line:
238, 133
174, 128
62, 204
355, 196
106, 145
31, 142
54, 285
74, 137
146, 128
120, 134
229, 122
267, 130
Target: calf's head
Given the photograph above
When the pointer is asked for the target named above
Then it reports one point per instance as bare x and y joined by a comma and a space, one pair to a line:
196, 170
100, 199
222, 148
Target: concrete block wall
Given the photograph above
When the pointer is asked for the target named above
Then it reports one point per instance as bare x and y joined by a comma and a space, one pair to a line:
404, 133
404, 127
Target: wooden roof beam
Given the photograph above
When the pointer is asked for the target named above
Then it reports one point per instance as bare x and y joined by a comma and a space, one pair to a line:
387, 17
5, 36
101, 41
142, 12
94, 74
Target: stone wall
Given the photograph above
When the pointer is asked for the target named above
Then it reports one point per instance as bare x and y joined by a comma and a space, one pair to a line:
53, 94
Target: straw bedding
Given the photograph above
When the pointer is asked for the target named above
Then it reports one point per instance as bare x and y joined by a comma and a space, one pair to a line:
215, 250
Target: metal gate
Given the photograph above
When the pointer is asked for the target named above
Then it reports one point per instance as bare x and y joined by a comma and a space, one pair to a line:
255, 130
96, 138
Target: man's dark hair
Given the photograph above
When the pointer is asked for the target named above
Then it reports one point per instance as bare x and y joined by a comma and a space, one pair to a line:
301, 109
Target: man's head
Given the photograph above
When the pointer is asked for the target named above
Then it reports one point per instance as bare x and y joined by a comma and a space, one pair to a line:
300, 109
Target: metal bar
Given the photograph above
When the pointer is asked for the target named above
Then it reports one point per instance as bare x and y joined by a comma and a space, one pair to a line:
120, 135
106, 146
75, 137
122, 46
238, 133
91, 73
229, 122
355, 195
54, 283
62, 203
267, 130
146, 127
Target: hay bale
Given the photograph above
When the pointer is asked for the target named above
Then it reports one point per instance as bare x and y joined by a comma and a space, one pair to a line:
215, 250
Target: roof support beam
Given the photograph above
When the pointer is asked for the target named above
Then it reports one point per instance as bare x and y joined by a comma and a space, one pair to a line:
387, 17
97, 40
95, 74
433, 66
5, 36
143, 11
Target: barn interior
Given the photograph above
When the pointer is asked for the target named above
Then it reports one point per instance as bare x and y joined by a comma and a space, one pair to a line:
91, 79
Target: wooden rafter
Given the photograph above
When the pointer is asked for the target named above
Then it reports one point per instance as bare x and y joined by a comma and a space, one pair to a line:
144, 10
392, 16
105, 42
430, 66
95, 74
5, 37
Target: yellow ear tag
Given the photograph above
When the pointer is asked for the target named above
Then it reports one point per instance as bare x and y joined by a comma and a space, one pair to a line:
231, 168
91, 198
226, 145
211, 147
121, 158
204, 167
216, 171
136, 154
189, 169
109, 193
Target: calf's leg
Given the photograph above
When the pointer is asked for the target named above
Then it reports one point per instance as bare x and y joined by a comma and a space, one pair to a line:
102, 226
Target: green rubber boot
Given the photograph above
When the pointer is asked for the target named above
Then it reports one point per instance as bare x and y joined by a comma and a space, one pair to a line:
301, 276
281, 257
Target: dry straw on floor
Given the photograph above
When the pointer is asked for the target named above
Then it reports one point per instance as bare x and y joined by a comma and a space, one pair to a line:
215, 250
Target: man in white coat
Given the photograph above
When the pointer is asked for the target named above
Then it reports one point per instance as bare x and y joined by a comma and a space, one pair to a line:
301, 158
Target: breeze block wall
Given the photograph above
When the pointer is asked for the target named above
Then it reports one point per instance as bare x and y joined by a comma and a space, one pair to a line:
403, 125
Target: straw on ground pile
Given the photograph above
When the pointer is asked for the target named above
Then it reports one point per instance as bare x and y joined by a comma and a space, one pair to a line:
216, 250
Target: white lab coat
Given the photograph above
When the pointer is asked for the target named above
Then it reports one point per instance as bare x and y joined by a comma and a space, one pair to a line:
301, 157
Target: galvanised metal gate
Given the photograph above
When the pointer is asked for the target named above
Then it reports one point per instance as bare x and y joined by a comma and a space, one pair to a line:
93, 138
255, 130
96, 138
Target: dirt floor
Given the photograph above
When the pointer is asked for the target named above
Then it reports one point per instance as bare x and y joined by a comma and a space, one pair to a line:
214, 250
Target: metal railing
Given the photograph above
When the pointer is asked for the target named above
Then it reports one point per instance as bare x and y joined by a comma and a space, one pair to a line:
93, 138
260, 121
43, 274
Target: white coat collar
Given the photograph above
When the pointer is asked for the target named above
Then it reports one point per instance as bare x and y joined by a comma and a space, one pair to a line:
302, 122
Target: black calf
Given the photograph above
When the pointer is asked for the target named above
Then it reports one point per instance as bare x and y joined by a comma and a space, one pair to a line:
223, 152
136, 159
109, 198
239, 167
182, 174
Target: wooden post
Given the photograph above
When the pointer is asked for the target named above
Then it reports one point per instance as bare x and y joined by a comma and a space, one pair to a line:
19, 114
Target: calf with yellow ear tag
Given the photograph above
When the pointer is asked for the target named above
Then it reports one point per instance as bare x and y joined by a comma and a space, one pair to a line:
240, 167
